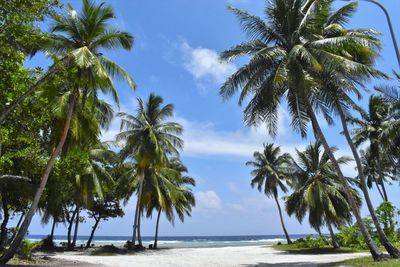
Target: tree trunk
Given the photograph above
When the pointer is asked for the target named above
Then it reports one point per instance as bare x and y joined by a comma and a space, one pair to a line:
70, 224
393, 251
282, 223
88, 243
379, 189
156, 235
335, 244
139, 235
52, 230
374, 249
76, 227
3, 228
43, 181
137, 210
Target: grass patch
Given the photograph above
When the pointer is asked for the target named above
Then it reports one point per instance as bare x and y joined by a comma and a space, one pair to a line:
369, 262
325, 250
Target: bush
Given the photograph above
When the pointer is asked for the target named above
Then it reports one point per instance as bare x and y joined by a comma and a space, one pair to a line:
26, 248
47, 243
310, 242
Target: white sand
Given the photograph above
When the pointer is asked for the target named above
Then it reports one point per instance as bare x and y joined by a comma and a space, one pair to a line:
254, 256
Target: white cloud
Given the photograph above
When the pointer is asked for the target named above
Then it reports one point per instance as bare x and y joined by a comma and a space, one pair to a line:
205, 65
207, 201
202, 138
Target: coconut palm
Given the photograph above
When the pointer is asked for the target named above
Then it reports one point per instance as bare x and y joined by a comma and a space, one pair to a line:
149, 139
318, 192
269, 175
288, 51
377, 127
82, 38
170, 193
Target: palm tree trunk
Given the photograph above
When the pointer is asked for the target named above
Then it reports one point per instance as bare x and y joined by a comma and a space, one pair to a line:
335, 244
156, 235
282, 223
392, 250
76, 227
137, 210
3, 228
379, 189
374, 249
52, 230
43, 181
70, 224
88, 243
139, 235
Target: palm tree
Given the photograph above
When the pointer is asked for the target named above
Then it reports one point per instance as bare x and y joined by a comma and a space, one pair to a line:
149, 139
287, 53
269, 171
378, 127
318, 192
170, 193
81, 39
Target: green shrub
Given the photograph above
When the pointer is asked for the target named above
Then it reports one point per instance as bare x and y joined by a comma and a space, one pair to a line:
26, 248
310, 242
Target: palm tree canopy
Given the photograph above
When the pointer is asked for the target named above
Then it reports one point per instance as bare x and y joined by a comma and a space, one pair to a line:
269, 170
297, 41
83, 37
317, 191
148, 137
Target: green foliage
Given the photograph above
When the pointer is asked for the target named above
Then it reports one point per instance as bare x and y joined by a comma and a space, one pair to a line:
26, 249
386, 213
310, 242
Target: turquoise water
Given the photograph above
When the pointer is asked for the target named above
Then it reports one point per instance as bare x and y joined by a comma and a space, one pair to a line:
181, 241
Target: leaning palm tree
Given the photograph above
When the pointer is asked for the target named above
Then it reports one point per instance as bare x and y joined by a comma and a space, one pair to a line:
269, 171
317, 191
149, 139
81, 38
288, 51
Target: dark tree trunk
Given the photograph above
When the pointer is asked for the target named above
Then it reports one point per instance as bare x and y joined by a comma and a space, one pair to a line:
379, 189
135, 222
374, 249
52, 230
139, 235
335, 244
88, 243
43, 181
3, 228
156, 235
282, 222
76, 227
70, 224
392, 250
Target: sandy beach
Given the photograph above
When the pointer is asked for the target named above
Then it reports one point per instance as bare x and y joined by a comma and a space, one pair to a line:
254, 256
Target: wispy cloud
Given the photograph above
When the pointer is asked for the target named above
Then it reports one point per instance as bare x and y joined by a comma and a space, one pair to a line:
205, 65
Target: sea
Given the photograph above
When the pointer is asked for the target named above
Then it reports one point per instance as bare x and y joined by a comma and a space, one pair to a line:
180, 241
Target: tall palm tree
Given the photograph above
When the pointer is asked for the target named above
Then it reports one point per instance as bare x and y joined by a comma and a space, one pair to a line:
270, 171
149, 139
318, 192
81, 39
287, 52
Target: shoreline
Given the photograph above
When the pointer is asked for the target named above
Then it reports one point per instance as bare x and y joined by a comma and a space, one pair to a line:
259, 256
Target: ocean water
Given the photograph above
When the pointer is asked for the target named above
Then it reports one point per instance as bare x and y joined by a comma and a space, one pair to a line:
180, 241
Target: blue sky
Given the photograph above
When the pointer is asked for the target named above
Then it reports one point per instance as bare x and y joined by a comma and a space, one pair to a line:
176, 56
